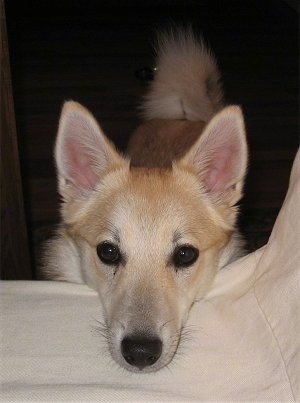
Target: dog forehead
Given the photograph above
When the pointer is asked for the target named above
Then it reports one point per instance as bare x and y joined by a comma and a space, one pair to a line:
155, 205
135, 197
147, 205
150, 180
150, 200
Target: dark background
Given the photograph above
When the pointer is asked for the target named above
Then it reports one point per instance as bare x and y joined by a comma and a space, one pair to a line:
89, 51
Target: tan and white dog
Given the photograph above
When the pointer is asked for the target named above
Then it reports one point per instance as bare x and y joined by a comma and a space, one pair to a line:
150, 230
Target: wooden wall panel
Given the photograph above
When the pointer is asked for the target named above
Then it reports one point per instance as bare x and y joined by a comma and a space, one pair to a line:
15, 260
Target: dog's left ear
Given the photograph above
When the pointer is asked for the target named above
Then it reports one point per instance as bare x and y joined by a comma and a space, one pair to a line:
83, 153
219, 157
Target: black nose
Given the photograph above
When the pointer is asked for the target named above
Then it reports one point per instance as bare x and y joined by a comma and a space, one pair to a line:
141, 351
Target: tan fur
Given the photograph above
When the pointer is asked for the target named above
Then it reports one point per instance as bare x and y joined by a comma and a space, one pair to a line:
157, 142
178, 188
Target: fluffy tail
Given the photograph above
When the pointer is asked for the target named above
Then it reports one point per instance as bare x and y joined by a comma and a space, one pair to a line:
187, 82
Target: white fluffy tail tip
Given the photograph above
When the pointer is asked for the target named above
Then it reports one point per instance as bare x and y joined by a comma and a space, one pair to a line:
187, 82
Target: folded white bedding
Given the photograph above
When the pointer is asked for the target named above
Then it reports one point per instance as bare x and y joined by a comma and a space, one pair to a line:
242, 341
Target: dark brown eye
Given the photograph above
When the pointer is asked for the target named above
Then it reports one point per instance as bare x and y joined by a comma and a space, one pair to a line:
185, 256
108, 253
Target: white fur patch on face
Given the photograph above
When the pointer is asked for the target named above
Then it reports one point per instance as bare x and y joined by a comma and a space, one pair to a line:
145, 295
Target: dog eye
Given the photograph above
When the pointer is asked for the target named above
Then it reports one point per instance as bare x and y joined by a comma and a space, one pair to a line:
108, 253
185, 256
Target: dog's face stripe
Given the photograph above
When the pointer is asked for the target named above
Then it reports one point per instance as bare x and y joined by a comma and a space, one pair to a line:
148, 217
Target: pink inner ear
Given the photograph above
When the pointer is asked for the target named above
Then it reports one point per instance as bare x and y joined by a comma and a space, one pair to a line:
221, 169
80, 166
221, 154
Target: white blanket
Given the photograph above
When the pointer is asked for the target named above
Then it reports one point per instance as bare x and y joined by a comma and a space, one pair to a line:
243, 340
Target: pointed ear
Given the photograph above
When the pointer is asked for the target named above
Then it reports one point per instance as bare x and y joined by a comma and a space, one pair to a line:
219, 157
83, 153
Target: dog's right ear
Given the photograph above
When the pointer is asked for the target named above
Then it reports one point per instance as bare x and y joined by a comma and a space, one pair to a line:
83, 153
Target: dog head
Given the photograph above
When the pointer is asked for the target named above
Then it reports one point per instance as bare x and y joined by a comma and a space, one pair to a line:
150, 240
